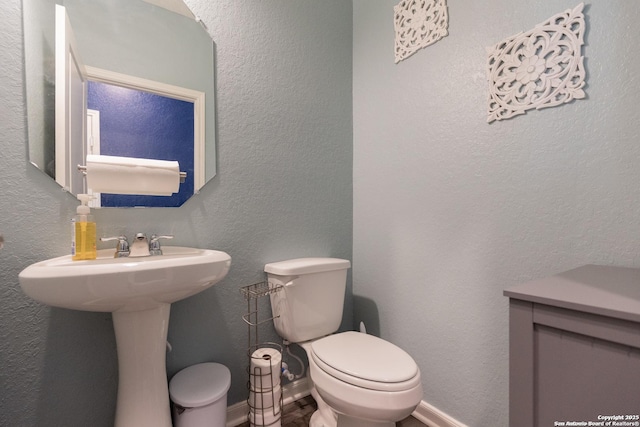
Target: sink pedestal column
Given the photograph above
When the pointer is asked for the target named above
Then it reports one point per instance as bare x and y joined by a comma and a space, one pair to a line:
143, 392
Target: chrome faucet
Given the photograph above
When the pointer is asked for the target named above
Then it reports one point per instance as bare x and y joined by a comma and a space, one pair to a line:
122, 249
141, 246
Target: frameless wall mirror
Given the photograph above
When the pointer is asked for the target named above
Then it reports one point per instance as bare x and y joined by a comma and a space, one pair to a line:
139, 77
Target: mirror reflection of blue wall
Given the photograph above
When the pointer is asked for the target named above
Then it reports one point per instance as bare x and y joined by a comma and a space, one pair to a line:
141, 124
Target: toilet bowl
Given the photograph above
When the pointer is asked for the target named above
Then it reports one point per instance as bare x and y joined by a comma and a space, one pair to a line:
365, 380
358, 380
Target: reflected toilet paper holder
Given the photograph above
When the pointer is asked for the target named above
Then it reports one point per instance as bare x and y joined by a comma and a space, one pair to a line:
183, 175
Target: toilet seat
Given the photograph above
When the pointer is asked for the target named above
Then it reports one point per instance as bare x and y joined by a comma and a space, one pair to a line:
365, 361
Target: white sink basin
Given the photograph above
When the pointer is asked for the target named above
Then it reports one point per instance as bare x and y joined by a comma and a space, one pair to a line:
124, 284
139, 292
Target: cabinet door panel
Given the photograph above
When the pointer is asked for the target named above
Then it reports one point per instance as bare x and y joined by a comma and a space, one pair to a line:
579, 377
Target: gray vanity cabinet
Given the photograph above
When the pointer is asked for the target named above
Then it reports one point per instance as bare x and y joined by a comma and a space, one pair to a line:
574, 349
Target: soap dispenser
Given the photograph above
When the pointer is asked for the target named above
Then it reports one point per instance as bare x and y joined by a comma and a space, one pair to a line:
83, 244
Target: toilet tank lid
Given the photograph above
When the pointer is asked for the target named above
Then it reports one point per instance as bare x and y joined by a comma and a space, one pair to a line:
306, 266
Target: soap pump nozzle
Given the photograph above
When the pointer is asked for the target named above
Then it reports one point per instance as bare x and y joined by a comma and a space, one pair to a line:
83, 209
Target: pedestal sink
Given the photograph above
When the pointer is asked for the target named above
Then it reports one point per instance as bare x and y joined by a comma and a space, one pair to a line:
139, 293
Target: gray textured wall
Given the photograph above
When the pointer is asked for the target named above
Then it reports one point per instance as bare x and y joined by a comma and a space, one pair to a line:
283, 190
449, 211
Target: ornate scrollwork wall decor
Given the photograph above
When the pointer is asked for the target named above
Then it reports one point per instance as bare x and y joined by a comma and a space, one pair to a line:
538, 69
418, 24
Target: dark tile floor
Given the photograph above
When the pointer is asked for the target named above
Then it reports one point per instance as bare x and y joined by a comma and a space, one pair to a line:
298, 413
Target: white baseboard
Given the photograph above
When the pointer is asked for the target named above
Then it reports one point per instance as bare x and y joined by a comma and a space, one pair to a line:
425, 413
237, 413
433, 417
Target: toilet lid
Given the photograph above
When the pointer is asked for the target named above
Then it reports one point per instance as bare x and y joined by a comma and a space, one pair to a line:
366, 361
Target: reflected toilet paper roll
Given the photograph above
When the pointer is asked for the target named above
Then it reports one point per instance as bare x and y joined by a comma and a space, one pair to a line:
266, 364
129, 175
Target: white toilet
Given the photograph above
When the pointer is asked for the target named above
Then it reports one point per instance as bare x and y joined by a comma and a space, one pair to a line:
358, 379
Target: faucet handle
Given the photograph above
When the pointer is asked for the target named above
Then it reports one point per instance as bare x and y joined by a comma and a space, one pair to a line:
122, 249
154, 243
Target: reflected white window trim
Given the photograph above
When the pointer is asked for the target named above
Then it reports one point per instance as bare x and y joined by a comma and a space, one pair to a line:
170, 91
538, 69
418, 24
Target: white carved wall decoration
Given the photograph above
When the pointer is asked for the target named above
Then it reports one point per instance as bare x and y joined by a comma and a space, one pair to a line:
418, 24
538, 69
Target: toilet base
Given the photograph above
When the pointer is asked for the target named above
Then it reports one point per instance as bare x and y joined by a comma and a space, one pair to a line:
317, 420
324, 416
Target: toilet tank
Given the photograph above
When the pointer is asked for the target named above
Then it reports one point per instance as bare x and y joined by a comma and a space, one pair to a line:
310, 300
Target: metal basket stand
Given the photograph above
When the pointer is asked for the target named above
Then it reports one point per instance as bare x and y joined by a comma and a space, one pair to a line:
265, 362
